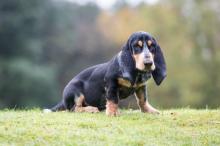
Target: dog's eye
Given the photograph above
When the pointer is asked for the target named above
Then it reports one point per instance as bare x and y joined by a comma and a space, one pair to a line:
140, 44
149, 43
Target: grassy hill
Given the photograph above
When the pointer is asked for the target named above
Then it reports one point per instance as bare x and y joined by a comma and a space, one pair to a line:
171, 127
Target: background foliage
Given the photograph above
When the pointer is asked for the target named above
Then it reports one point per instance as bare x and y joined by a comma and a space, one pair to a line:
44, 43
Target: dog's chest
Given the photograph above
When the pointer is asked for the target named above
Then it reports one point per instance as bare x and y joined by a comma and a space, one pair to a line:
126, 88
140, 81
126, 84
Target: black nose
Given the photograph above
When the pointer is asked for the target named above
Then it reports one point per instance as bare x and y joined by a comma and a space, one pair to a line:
148, 63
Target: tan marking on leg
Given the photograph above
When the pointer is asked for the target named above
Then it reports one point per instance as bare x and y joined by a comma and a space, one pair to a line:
111, 108
145, 105
79, 100
139, 60
140, 102
140, 85
79, 108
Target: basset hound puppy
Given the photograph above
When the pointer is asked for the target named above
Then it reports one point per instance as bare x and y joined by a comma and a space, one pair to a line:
101, 86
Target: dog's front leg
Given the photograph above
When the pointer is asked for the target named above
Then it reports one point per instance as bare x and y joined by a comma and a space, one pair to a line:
112, 99
144, 105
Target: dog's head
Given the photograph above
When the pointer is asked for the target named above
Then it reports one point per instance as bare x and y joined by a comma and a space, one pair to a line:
143, 53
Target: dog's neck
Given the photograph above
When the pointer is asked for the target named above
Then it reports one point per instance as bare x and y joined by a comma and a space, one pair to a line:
142, 76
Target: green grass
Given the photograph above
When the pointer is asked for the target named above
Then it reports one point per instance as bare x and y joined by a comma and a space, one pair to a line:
171, 127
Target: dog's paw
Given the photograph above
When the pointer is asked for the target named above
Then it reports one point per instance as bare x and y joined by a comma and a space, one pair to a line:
91, 109
151, 110
112, 113
88, 109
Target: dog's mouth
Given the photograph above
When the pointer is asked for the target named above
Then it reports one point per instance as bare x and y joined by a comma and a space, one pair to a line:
149, 66
147, 69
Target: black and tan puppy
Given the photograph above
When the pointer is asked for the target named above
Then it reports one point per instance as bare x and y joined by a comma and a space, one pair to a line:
102, 86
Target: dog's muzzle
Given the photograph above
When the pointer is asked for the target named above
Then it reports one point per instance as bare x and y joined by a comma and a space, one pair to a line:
148, 62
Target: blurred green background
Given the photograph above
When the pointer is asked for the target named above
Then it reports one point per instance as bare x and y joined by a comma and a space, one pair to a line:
44, 43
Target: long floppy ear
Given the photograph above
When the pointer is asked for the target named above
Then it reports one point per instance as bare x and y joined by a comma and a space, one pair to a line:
127, 64
160, 72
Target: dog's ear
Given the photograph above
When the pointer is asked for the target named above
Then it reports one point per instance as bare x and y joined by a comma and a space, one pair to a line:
127, 63
160, 72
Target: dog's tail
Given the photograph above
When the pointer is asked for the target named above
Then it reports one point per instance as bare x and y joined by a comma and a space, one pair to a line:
59, 107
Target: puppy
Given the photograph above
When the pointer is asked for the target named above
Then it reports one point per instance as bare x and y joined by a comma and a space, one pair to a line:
102, 86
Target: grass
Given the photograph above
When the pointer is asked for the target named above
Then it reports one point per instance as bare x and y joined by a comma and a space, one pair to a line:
171, 127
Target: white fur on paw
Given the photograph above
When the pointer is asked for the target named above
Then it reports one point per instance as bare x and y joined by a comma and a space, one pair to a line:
47, 110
